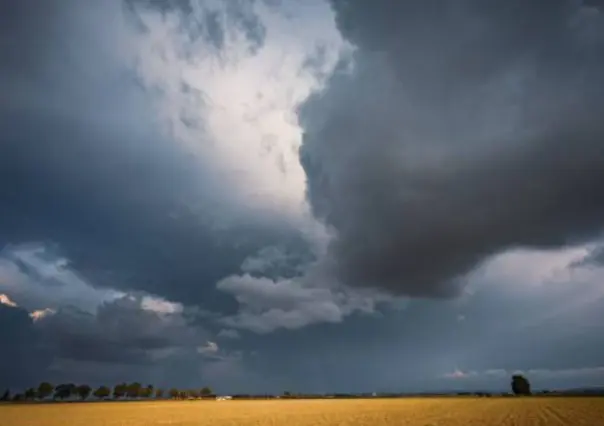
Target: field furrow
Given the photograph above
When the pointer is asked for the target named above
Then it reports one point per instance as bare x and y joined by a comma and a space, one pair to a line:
376, 412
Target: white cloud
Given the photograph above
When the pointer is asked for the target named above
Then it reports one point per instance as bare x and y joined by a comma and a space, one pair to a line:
41, 313
210, 348
43, 283
238, 116
267, 304
37, 279
5, 300
559, 282
526, 269
457, 374
160, 306
238, 113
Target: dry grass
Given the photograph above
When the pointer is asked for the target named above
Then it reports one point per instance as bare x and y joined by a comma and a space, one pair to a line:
379, 412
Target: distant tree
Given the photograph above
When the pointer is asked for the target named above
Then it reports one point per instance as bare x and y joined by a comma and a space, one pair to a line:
147, 392
102, 392
520, 385
174, 393
18, 397
134, 390
83, 391
64, 391
159, 393
287, 394
119, 391
194, 393
5, 396
206, 391
45, 389
30, 394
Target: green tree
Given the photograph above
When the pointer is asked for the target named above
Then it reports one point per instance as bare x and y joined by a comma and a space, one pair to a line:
5, 396
45, 389
206, 391
134, 390
174, 393
18, 397
102, 392
119, 391
30, 394
159, 393
520, 385
83, 391
64, 391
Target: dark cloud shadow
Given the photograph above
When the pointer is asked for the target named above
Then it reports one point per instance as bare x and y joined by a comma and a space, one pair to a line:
461, 131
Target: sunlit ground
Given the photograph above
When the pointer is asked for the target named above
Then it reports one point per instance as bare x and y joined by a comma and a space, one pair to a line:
379, 412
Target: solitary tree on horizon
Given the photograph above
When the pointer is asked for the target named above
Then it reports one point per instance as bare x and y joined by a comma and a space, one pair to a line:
520, 385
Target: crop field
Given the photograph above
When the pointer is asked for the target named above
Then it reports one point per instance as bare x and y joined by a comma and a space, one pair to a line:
376, 412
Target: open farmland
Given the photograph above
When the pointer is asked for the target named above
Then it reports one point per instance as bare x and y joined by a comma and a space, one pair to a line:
378, 412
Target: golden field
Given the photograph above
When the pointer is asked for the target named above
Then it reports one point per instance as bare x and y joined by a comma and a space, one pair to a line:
369, 412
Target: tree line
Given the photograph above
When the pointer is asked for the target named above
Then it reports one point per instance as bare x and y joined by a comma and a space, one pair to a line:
83, 392
519, 385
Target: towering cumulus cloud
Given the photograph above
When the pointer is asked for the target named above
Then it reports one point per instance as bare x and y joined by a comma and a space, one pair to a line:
149, 139
457, 130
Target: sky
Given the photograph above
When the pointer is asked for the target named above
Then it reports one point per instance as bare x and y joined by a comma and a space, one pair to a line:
319, 196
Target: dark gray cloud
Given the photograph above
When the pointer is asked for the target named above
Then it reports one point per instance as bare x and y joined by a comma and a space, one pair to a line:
101, 197
120, 331
553, 335
413, 349
23, 360
454, 133
133, 337
132, 253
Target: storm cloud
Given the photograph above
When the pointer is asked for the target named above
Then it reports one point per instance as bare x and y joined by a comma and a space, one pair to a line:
114, 172
455, 132
21, 360
259, 195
